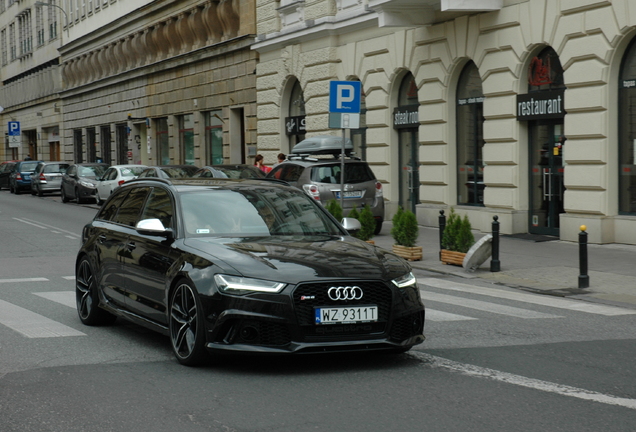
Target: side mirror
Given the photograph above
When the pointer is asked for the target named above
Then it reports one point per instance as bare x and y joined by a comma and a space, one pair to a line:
352, 225
153, 227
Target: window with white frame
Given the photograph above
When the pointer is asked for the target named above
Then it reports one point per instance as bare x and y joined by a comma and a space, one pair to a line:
13, 54
25, 32
3, 44
39, 26
52, 20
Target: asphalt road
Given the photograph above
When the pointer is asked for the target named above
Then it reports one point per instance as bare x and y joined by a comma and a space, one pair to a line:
495, 359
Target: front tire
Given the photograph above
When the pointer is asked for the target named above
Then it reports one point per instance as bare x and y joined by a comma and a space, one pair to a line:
87, 298
64, 197
187, 330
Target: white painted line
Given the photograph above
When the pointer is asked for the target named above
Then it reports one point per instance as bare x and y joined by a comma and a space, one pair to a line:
485, 306
24, 280
551, 301
30, 223
67, 298
33, 325
546, 386
71, 237
439, 316
68, 277
54, 227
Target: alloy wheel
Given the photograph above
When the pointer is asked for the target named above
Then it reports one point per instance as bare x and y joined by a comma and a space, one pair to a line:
186, 328
87, 299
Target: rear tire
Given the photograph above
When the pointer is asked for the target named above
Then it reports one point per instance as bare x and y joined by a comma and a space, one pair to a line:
64, 197
87, 297
40, 193
378, 226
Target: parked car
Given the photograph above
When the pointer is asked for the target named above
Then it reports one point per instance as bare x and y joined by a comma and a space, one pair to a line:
78, 183
237, 171
169, 171
5, 172
320, 178
114, 177
223, 265
47, 177
20, 177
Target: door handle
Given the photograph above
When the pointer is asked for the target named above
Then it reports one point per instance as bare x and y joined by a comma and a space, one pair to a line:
101, 238
130, 245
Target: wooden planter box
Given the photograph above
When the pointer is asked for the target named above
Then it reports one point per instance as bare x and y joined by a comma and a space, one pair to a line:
408, 253
452, 257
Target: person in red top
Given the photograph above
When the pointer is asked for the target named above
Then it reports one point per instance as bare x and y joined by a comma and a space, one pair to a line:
258, 162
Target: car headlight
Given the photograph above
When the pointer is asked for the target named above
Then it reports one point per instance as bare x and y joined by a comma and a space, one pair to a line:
87, 184
405, 281
242, 285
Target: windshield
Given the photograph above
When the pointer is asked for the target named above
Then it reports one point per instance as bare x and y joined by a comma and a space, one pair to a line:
253, 211
132, 171
55, 168
28, 166
91, 171
180, 172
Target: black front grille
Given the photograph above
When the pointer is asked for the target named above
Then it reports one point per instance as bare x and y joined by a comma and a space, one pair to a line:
407, 326
262, 333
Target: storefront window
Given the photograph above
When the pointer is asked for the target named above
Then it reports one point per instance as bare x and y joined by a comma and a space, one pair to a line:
186, 138
627, 133
163, 143
214, 137
295, 123
406, 122
470, 137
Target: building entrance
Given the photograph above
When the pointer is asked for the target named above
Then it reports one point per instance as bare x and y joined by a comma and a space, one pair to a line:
546, 176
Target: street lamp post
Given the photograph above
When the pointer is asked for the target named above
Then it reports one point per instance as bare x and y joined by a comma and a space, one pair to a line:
41, 3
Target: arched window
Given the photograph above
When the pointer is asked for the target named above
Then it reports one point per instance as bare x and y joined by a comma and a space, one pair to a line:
295, 123
470, 137
627, 133
406, 121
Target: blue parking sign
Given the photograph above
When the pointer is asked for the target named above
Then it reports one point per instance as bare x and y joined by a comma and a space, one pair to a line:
14, 128
344, 96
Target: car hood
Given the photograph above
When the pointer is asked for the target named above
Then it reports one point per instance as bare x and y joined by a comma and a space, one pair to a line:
294, 259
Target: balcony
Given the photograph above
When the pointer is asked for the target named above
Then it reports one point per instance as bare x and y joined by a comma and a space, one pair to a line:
406, 13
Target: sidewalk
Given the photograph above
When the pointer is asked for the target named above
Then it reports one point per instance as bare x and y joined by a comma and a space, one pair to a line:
549, 267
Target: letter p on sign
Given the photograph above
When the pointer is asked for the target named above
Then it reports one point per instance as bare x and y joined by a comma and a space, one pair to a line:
344, 96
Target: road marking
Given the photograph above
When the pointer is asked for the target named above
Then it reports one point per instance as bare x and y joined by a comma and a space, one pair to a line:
551, 301
68, 277
485, 306
67, 298
54, 228
33, 325
439, 316
30, 223
546, 386
24, 280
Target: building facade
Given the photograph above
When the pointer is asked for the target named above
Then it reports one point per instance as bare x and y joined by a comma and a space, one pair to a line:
515, 108
155, 82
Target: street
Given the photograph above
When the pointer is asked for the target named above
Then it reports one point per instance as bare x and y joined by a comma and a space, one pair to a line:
495, 359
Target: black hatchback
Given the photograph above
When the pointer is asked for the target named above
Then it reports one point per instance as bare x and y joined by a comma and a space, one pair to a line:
223, 265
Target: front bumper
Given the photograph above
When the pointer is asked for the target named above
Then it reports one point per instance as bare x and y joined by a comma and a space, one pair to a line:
285, 324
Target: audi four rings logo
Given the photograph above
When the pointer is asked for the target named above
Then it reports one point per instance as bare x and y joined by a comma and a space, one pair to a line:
345, 293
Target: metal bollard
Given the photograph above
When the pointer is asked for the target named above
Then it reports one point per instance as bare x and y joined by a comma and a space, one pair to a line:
442, 227
584, 279
495, 265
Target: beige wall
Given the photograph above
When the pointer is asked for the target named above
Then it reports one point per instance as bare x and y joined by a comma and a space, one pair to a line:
590, 38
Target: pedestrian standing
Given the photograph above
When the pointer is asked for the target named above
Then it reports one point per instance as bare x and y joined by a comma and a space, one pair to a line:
281, 158
258, 162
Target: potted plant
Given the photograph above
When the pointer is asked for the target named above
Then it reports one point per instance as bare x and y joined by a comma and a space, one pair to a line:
405, 232
457, 239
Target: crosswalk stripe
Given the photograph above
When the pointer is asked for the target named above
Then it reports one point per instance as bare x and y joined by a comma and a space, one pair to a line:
551, 301
67, 298
439, 316
37, 279
485, 306
33, 325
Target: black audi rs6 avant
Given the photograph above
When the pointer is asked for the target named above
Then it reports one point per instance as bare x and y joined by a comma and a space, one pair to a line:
242, 266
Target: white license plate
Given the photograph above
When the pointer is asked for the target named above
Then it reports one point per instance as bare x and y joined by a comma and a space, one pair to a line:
349, 194
346, 314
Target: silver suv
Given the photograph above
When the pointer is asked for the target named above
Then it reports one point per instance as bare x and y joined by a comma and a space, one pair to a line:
320, 177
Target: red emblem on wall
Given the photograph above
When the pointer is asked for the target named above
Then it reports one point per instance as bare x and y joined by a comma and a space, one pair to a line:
539, 73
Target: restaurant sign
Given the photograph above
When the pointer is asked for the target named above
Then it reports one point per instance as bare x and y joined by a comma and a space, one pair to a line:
541, 105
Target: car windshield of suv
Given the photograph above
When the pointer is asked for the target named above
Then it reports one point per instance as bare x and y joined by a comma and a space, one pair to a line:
354, 173
91, 171
253, 211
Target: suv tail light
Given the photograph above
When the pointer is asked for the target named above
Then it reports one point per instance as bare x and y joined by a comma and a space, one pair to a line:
42, 177
378, 189
18, 176
312, 191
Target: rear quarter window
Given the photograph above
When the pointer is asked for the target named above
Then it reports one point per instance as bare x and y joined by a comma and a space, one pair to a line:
354, 173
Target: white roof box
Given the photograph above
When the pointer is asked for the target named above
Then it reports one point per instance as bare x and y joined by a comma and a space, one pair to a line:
323, 144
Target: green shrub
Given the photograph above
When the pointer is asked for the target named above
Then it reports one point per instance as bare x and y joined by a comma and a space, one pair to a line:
367, 222
333, 207
405, 229
354, 213
458, 235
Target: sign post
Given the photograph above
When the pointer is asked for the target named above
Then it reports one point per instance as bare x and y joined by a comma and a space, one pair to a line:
15, 137
344, 108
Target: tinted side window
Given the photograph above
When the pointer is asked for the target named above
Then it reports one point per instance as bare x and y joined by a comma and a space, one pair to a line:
354, 173
130, 209
109, 210
288, 172
159, 206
